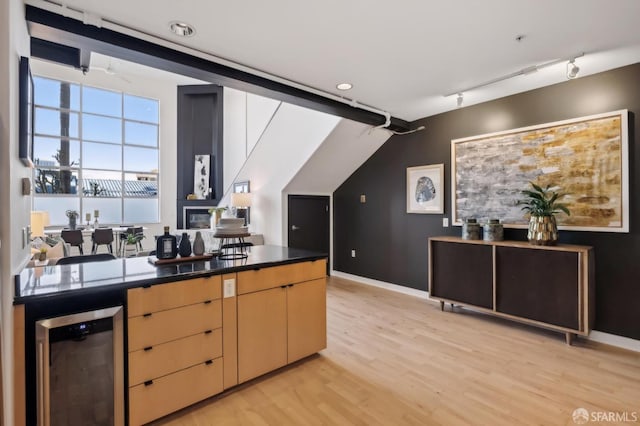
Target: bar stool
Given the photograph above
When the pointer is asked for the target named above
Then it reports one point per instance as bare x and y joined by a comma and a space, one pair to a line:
73, 237
102, 236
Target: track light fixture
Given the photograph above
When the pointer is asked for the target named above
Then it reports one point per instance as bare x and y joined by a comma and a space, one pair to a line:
572, 72
572, 69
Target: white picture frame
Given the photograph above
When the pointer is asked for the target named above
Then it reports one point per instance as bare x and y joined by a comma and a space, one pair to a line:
201, 170
425, 189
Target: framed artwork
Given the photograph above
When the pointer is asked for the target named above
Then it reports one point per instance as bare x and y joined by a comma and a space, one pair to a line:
25, 123
585, 158
425, 186
201, 176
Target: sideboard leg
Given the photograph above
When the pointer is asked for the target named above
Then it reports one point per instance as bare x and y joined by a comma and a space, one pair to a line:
441, 305
569, 338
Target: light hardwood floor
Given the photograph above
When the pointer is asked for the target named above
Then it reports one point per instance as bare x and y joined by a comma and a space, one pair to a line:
394, 359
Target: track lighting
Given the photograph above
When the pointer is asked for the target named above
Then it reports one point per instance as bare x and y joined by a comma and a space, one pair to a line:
572, 72
572, 69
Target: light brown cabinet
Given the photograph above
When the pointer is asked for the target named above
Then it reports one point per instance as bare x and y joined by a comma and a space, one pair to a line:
175, 346
281, 316
262, 332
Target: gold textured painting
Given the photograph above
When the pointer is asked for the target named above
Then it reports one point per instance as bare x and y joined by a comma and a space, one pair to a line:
585, 158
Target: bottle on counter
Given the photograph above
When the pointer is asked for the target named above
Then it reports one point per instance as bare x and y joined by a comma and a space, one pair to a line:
184, 248
166, 245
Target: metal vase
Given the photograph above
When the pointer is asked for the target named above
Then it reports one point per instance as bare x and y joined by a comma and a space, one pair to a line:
543, 231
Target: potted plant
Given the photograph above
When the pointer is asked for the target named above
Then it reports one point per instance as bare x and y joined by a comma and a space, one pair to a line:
43, 253
542, 205
216, 214
73, 216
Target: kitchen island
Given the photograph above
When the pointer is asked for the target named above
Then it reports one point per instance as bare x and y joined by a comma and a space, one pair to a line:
191, 330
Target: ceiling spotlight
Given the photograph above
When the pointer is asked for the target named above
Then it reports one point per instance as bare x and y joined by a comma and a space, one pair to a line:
572, 69
181, 29
344, 86
459, 100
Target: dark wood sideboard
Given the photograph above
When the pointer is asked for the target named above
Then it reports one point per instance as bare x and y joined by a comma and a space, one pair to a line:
546, 286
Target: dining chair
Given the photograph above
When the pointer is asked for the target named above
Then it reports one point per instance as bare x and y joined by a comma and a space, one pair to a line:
102, 236
73, 237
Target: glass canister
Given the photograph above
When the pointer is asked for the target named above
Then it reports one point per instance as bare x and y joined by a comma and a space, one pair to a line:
470, 229
493, 230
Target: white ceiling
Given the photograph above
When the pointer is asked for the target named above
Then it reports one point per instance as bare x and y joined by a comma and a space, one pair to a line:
400, 56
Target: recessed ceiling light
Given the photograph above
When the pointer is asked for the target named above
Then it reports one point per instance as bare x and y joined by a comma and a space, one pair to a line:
182, 29
344, 86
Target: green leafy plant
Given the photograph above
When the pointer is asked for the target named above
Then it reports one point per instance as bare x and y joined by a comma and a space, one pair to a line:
134, 238
217, 210
542, 201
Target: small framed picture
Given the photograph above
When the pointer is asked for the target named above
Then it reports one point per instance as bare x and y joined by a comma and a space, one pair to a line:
425, 189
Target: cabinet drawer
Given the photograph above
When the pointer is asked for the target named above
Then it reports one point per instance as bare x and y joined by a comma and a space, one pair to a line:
173, 392
161, 297
172, 324
160, 360
274, 276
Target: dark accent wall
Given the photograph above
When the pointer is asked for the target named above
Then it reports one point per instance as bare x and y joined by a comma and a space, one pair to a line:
200, 121
391, 245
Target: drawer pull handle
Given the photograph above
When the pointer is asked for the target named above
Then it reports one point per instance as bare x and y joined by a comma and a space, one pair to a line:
256, 269
283, 286
208, 332
209, 362
146, 286
148, 383
147, 315
148, 348
206, 302
290, 285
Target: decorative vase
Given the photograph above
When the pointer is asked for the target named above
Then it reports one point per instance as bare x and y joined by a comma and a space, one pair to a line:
72, 222
198, 244
470, 229
43, 256
493, 230
184, 248
543, 231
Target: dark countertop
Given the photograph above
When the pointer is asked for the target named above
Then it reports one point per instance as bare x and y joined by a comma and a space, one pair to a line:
48, 282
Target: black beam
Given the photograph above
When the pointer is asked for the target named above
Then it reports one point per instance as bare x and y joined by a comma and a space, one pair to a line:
71, 32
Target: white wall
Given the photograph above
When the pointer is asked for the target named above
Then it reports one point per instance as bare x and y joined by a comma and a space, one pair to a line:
345, 149
246, 117
14, 42
292, 136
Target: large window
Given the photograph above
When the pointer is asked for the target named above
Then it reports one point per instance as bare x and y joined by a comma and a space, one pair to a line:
95, 149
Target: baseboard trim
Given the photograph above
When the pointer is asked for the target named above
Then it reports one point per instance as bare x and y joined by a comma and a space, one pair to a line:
382, 284
596, 336
615, 340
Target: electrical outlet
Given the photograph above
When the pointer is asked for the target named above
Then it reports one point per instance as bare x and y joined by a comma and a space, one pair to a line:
353, 253
363, 198
445, 222
229, 287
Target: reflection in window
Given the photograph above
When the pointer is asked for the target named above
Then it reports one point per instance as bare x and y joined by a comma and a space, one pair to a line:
98, 154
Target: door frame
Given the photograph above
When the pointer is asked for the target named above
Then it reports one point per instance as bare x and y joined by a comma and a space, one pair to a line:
285, 219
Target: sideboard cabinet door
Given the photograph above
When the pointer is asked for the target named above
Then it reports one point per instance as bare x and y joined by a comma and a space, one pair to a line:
462, 272
540, 285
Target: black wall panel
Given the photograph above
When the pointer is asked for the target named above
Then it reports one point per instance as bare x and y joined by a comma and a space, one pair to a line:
391, 245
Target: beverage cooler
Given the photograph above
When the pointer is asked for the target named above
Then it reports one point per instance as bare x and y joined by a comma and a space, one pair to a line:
80, 373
